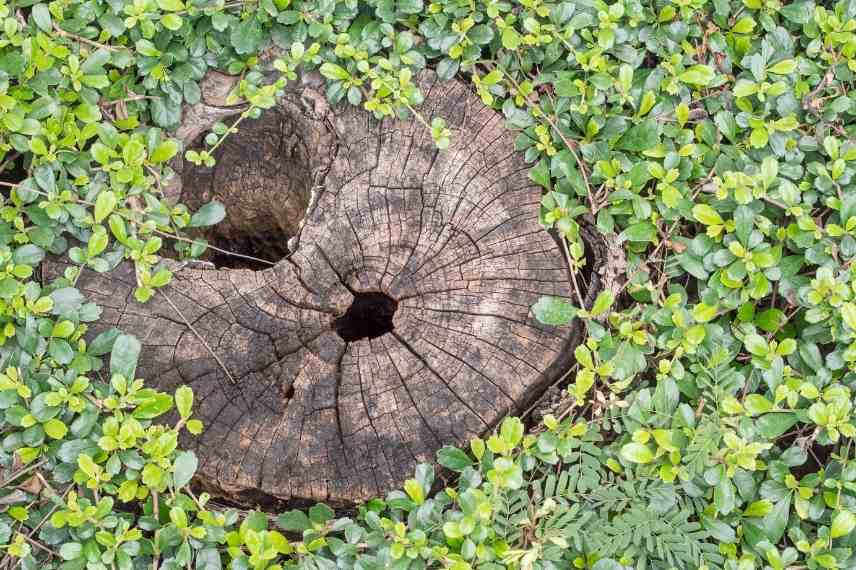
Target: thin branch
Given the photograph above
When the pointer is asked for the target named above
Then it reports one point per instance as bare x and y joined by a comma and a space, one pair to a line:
215, 248
128, 100
573, 272
23, 471
38, 544
83, 40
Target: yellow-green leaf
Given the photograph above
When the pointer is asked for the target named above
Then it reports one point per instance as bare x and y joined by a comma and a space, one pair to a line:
637, 453
784, 67
104, 204
55, 428
707, 215
842, 524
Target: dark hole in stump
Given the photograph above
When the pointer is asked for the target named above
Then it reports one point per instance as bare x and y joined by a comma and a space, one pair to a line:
369, 316
264, 176
267, 246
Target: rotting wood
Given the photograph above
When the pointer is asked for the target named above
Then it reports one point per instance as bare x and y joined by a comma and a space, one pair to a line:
399, 323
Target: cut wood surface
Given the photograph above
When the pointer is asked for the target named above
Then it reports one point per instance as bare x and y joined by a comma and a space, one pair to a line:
399, 323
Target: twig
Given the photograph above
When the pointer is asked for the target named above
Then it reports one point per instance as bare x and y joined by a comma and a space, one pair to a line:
38, 544
9, 161
199, 336
215, 248
156, 509
80, 39
128, 100
23, 472
573, 272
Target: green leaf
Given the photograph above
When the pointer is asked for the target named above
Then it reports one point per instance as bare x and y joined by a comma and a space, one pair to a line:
147, 48
703, 313
848, 313
799, 12
784, 67
744, 88
208, 559
554, 311
758, 508
744, 25
71, 551
511, 431
757, 345
602, 303
510, 38
775, 424
29, 254
171, 5
42, 17
453, 458
184, 401
172, 22
103, 343
774, 524
255, 520
208, 215
699, 75
637, 453
770, 320
124, 356
63, 329
724, 497
759, 137
66, 300
164, 151
842, 524
87, 465
707, 215
45, 178
640, 137
414, 491
642, 232
294, 521
321, 513
185, 466
727, 125
333, 71
55, 429
153, 407
104, 204
38, 146
757, 404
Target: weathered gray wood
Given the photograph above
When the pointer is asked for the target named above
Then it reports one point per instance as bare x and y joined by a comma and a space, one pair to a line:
453, 237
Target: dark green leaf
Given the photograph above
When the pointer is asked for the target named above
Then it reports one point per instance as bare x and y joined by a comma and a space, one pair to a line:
453, 458
208, 215
554, 311
641, 137
185, 468
124, 356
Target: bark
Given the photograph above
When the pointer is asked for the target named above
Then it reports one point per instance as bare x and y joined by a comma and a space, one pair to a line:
399, 323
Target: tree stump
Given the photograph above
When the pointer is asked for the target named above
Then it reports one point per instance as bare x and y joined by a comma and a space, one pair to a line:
399, 321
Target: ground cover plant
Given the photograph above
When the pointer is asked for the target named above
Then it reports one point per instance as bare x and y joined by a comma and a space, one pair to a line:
710, 409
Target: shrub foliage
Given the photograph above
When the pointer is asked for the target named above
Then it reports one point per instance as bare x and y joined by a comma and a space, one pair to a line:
710, 417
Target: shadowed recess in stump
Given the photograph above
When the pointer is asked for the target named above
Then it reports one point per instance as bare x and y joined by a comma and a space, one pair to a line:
264, 174
399, 323
369, 316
